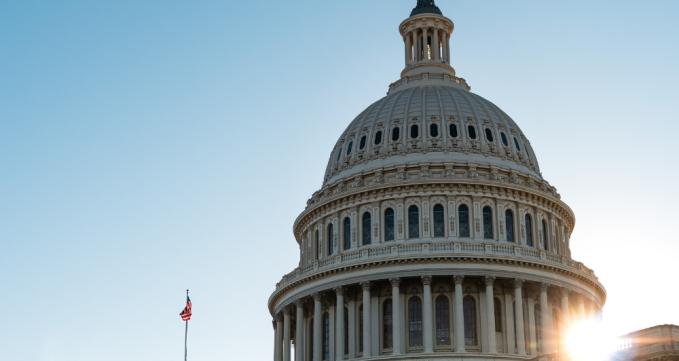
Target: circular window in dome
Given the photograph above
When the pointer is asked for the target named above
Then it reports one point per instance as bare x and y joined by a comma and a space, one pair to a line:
471, 131
489, 135
504, 139
414, 131
378, 137
395, 134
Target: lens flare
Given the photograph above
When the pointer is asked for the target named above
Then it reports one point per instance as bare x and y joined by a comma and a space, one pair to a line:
590, 340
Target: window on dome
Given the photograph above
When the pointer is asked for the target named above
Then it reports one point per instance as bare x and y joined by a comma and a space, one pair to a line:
529, 230
395, 134
463, 218
452, 129
317, 248
413, 222
387, 324
504, 139
365, 229
516, 143
378, 137
414, 131
545, 242
415, 322
489, 135
469, 310
509, 224
346, 233
339, 153
439, 221
487, 222
388, 225
442, 309
349, 147
433, 130
331, 239
472, 131
361, 144
326, 336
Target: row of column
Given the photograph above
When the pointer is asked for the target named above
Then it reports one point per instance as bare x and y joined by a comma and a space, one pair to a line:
416, 42
282, 325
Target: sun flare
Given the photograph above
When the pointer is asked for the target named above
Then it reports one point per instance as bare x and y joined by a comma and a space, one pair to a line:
589, 340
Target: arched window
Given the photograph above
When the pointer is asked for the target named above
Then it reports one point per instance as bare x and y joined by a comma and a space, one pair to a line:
469, 310
415, 322
509, 224
347, 233
395, 134
361, 144
349, 147
529, 230
388, 225
442, 320
439, 221
317, 248
331, 239
497, 307
378, 137
545, 236
487, 222
516, 143
339, 154
326, 336
365, 229
452, 129
360, 328
489, 135
503, 136
387, 325
471, 131
433, 130
413, 222
414, 131
463, 218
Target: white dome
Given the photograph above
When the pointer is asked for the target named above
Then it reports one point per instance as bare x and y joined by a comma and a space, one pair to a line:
423, 114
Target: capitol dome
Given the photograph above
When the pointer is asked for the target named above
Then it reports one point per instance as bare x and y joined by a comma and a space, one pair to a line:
434, 235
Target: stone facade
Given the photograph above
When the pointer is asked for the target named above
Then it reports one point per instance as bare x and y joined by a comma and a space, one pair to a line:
434, 235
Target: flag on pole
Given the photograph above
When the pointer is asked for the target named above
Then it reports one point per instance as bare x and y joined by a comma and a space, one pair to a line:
186, 312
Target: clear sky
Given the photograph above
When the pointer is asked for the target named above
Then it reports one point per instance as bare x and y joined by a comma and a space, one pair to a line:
147, 147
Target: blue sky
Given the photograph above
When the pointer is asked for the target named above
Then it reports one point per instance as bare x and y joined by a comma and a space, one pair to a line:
148, 147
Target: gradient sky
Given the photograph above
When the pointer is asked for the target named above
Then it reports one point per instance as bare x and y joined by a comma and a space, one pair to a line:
147, 147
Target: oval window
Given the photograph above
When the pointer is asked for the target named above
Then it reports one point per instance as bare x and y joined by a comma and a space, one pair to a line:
452, 129
349, 147
414, 131
516, 143
378, 137
489, 135
471, 131
395, 134
361, 144
434, 130
504, 139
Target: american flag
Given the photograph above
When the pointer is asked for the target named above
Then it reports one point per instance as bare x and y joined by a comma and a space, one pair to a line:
186, 312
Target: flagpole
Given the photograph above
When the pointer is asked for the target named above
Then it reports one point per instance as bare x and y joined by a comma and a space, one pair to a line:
186, 331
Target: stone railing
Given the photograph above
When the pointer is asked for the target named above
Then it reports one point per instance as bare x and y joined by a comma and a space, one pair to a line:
412, 249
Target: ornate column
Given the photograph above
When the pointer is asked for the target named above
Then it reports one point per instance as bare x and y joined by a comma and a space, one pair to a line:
546, 318
367, 342
299, 331
351, 308
532, 333
490, 315
510, 338
425, 31
435, 45
278, 339
428, 320
518, 311
396, 315
317, 355
459, 315
339, 324
331, 333
286, 334
447, 45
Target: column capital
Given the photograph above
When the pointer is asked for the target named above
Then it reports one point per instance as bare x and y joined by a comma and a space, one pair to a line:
366, 285
317, 297
458, 279
564, 292
339, 291
426, 280
395, 282
278, 317
299, 303
489, 280
518, 283
544, 287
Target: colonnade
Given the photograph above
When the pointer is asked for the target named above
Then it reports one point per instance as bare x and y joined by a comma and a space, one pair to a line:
427, 44
354, 321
